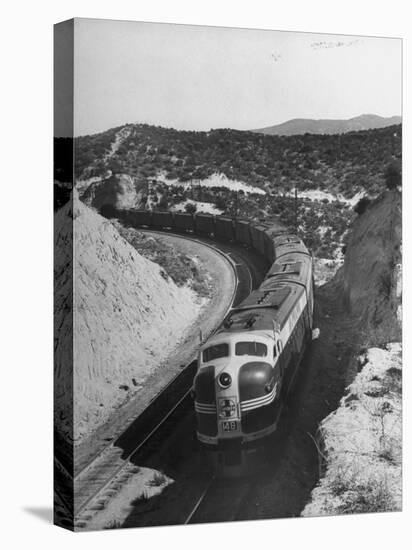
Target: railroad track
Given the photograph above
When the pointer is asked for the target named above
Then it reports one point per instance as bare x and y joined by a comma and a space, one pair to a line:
220, 501
145, 433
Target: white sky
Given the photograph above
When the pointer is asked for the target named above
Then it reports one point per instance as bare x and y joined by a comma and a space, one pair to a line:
197, 78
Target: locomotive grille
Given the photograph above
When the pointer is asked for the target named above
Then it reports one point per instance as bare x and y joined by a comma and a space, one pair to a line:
205, 404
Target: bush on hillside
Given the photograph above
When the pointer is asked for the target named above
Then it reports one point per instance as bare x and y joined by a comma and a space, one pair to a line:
393, 175
362, 205
108, 211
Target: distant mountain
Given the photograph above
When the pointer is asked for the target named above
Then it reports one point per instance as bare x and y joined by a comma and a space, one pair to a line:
329, 126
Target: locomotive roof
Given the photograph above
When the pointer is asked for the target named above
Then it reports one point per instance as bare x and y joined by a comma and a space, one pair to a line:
264, 307
278, 294
291, 266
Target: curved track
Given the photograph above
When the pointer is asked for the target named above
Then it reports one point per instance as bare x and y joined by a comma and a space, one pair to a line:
144, 435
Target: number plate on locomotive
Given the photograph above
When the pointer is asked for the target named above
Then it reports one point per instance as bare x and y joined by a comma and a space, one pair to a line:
230, 426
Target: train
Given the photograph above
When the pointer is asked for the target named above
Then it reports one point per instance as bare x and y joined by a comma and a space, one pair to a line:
256, 235
247, 368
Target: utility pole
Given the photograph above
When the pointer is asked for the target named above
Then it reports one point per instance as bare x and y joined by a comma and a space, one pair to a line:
148, 195
296, 209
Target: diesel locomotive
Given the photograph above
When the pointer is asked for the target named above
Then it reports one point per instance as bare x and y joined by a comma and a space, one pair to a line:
246, 369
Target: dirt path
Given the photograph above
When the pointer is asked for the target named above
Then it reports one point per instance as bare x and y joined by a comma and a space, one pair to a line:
223, 282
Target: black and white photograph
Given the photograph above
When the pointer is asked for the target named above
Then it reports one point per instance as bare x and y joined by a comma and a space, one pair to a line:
227, 274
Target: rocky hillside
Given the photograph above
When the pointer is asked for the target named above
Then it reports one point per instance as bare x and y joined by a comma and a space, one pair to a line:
345, 164
241, 174
360, 443
120, 191
372, 269
329, 126
128, 313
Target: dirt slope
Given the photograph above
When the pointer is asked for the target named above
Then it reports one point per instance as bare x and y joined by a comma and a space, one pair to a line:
372, 270
128, 315
360, 443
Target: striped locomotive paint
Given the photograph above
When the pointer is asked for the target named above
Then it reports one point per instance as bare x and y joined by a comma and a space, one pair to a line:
260, 402
205, 409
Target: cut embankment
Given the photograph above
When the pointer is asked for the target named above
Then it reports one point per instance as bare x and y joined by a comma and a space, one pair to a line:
128, 316
360, 442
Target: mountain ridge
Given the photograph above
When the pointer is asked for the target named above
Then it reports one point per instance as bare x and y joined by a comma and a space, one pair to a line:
297, 126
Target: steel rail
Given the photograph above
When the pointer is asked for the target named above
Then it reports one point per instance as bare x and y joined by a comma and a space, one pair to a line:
199, 501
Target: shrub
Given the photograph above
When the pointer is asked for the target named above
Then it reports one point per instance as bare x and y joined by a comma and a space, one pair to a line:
108, 211
158, 479
362, 205
140, 499
113, 525
373, 496
393, 175
190, 208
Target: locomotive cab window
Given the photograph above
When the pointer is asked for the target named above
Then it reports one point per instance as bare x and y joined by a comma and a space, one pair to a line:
251, 348
215, 352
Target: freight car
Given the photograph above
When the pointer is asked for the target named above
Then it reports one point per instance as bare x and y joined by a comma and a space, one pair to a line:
242, 228
247, 368
224, 228
184, 222
205, 224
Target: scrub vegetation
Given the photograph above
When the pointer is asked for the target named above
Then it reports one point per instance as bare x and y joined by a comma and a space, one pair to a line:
343, 163
243, 174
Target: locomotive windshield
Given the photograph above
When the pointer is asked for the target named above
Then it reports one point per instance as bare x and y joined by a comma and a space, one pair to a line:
215, 352
251, 348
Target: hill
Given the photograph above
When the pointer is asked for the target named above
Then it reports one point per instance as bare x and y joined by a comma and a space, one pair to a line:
361, 441
122, 302
371, 271
329, 126
343, 164
241, 174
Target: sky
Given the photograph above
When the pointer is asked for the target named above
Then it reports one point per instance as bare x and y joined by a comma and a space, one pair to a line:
198, 78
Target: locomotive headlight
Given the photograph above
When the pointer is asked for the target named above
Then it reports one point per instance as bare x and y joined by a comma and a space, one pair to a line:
269, 386
225, 380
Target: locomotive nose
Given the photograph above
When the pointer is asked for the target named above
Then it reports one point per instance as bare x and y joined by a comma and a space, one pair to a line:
255, 380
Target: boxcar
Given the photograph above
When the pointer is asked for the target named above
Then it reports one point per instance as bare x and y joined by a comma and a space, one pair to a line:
269, 247
257, 233
242, 231
205, 224
162, 219
137, 218
224, 228
184, 221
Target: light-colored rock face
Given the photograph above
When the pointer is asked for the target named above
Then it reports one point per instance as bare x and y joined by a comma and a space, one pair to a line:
119, 190
128, 316
362, 441
371, 270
